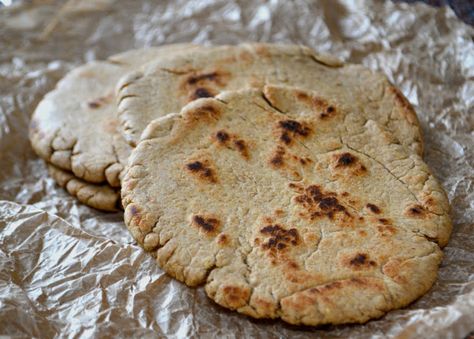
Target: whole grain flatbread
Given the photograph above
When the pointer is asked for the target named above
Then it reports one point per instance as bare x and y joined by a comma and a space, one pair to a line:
74, 127
166, 86
101, 197
286, 206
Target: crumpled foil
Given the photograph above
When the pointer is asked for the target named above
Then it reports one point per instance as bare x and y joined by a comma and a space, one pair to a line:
69, 271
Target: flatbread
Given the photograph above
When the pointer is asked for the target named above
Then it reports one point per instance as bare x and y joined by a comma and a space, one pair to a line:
74, 127
286, 206
166, 86
101, 197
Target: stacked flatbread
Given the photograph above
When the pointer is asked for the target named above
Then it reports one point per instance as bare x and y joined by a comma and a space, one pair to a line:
289, 184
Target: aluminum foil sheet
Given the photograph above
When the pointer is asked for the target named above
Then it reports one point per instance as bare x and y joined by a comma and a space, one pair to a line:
69, 271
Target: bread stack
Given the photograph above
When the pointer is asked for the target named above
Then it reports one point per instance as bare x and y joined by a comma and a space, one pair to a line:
290, 184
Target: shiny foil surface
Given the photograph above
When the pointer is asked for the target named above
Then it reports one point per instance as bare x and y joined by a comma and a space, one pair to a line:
69, 271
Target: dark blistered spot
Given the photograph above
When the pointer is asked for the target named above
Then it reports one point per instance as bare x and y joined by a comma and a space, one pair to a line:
361, 259
285, 138
205, 76
384, 221
208, 225
330, 109
351, 162
222, 136
93, 104
373, 208
315, 192
280, 238
202, 92
202, 170
416, 210
317, 203
242, 148
277, 158
345, 159
295, 127
195, 166
207, 173
329, 203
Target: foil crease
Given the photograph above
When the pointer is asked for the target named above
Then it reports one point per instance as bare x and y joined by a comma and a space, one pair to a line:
69, 271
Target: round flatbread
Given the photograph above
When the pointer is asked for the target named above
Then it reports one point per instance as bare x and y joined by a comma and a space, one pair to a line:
74, 127
166, 86
286, 206
101, 197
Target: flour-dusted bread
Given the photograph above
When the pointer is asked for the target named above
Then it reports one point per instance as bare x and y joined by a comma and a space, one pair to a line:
101, 197
166, 86
74, 127
287, 205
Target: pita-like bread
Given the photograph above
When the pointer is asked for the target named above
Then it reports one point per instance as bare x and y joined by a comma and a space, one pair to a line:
286, 206
101, 197
74, 127
166, 86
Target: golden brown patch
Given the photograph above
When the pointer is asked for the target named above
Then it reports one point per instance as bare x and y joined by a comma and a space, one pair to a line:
319, 105
110, 126
415, 211
292, 265
386, 230
359, 261
362, 233
246, 56
394, 269
262, 51
264, 307
279, 212
348, 162
202, 170
289, 129
335, 285
406, 109
373, 208
208, 224
223, 239
280, 238
236, 296
317, 204
207, 113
